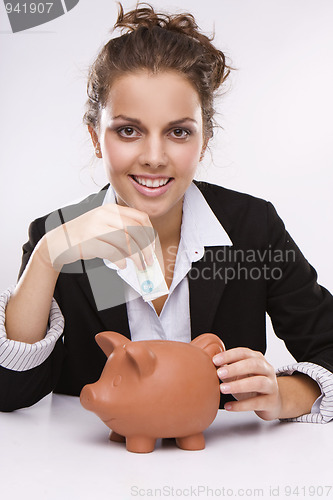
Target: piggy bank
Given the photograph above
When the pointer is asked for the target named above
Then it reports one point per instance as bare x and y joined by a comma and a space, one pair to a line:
156, 389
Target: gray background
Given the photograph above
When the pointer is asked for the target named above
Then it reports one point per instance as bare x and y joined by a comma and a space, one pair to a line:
277, 117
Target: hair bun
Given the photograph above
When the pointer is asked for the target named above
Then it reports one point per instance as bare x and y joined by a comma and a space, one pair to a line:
144, 16
148, 18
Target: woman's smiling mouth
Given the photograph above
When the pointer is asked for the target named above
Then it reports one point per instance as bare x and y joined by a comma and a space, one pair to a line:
150, 185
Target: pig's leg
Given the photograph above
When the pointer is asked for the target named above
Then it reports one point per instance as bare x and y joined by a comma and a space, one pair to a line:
140, 444
116, 437
194, 442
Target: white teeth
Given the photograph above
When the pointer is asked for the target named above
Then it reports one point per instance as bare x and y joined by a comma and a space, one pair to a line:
151, 183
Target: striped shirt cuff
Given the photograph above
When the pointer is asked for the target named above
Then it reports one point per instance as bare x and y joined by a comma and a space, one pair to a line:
20, 356
322, 409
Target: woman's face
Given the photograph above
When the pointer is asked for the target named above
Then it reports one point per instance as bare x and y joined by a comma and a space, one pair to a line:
151, 138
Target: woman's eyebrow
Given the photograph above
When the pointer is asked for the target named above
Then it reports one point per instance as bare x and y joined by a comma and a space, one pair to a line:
138, 122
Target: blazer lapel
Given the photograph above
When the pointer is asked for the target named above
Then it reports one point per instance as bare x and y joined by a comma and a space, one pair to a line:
207, 281
109, 296
209, 276
116, 320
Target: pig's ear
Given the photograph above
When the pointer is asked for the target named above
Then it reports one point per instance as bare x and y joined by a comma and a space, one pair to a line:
108, 341
142, 358
210, 343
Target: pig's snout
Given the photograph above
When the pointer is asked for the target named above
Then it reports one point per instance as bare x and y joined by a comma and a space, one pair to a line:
88, 397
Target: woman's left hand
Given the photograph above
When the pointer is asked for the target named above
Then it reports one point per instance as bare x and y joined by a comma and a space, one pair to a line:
248, 376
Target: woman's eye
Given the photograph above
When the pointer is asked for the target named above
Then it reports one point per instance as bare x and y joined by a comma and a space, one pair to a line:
178, 132
127, 131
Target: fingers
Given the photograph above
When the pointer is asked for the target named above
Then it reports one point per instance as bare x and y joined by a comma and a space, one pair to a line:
132, 217
117, 245
103, 250
256, 384
244, 368
112, 232
137, 229
235, 354
139, 242
257, 403
248, 376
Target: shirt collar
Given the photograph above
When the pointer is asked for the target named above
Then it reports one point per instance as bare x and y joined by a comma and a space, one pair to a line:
200, 226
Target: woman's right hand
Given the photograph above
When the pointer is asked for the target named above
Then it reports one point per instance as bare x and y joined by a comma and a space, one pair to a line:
111, 232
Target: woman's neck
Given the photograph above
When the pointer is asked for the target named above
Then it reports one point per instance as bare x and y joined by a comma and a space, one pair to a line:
169, 225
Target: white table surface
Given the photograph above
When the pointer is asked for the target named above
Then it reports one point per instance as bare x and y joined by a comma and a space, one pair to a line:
58, 450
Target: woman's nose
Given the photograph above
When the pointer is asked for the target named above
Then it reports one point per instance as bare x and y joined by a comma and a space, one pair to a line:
153, 152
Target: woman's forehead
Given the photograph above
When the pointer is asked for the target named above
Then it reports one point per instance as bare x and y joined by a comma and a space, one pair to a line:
168, 92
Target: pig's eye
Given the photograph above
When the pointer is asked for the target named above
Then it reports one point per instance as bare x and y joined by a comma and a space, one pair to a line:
116, 381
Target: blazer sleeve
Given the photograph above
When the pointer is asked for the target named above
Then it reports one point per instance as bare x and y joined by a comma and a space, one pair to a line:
22, 388
300, 309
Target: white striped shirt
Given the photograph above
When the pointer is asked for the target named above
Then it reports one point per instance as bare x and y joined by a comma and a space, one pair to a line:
200, 228
20, 356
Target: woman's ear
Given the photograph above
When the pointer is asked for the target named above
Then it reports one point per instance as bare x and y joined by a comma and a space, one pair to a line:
204, 146
94, 138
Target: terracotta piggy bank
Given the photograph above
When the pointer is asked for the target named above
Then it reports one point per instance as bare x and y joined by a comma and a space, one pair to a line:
156, 389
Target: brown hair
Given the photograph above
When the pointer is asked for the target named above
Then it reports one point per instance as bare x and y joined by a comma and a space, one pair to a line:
157, 42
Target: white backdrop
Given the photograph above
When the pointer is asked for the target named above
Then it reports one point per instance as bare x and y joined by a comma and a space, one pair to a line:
276, 141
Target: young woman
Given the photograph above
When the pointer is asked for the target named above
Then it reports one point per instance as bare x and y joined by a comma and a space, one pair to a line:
226, 257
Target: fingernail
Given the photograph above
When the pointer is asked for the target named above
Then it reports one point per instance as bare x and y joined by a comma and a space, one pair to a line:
222, 372
227, 406
225, 388
217, 360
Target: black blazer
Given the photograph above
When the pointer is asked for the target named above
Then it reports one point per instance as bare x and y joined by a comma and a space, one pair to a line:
230, 288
